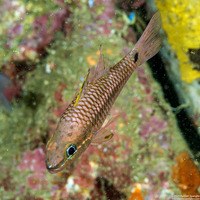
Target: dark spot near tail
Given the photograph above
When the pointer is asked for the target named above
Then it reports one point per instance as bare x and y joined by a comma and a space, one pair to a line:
136, 57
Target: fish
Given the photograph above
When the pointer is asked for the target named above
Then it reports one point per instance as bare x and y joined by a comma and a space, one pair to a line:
82, 123
5, 83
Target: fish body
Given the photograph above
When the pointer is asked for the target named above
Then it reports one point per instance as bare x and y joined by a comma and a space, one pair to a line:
81, 123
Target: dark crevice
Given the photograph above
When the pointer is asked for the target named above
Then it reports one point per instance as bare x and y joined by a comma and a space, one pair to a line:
104, 189
194, 55
186, 125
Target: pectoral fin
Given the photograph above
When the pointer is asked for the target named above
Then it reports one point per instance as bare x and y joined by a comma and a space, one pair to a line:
103, 136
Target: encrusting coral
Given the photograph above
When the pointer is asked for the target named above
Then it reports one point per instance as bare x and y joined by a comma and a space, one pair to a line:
186, 175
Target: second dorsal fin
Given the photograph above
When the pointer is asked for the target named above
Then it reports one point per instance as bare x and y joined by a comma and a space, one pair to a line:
100, 68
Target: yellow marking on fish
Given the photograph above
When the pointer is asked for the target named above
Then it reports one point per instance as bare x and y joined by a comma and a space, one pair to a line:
82, 87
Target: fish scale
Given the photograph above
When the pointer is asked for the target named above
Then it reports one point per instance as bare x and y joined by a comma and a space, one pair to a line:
98, 100
81, 123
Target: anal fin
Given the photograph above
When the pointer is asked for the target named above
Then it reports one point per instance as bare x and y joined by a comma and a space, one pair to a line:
103, 136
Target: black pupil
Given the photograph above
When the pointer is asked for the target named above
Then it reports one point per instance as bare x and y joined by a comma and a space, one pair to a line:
71, 151
136, 57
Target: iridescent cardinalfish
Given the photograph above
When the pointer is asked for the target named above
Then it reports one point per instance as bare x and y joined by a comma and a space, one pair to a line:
81, 123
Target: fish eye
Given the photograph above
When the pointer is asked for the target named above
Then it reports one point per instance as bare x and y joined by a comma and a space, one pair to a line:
71, 150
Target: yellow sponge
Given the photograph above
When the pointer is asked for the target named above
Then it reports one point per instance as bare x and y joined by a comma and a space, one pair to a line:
181, 21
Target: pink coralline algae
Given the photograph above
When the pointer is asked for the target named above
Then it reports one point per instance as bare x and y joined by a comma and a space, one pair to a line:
84, 179
37, 181
34, 161
151, 122
144, 80
16, 29
59, 98
106, 16
153, 125
13, 91
44, 33
58, 93
135, 4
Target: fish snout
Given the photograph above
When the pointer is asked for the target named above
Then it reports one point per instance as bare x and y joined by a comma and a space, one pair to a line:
51, 168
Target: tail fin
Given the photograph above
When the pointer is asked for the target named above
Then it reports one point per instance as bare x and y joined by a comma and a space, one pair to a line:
149, 43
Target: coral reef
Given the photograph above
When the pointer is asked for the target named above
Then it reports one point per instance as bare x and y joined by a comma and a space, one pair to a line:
49, 48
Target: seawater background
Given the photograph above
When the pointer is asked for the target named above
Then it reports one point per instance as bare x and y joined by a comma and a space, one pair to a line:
46, 50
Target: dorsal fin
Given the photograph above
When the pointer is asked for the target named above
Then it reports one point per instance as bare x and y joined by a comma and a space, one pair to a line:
100, 62
83, 88
101, 68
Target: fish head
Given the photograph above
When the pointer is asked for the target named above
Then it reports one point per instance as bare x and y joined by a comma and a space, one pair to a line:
67, 143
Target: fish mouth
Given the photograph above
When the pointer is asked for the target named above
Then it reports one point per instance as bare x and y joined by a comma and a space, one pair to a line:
56, 168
